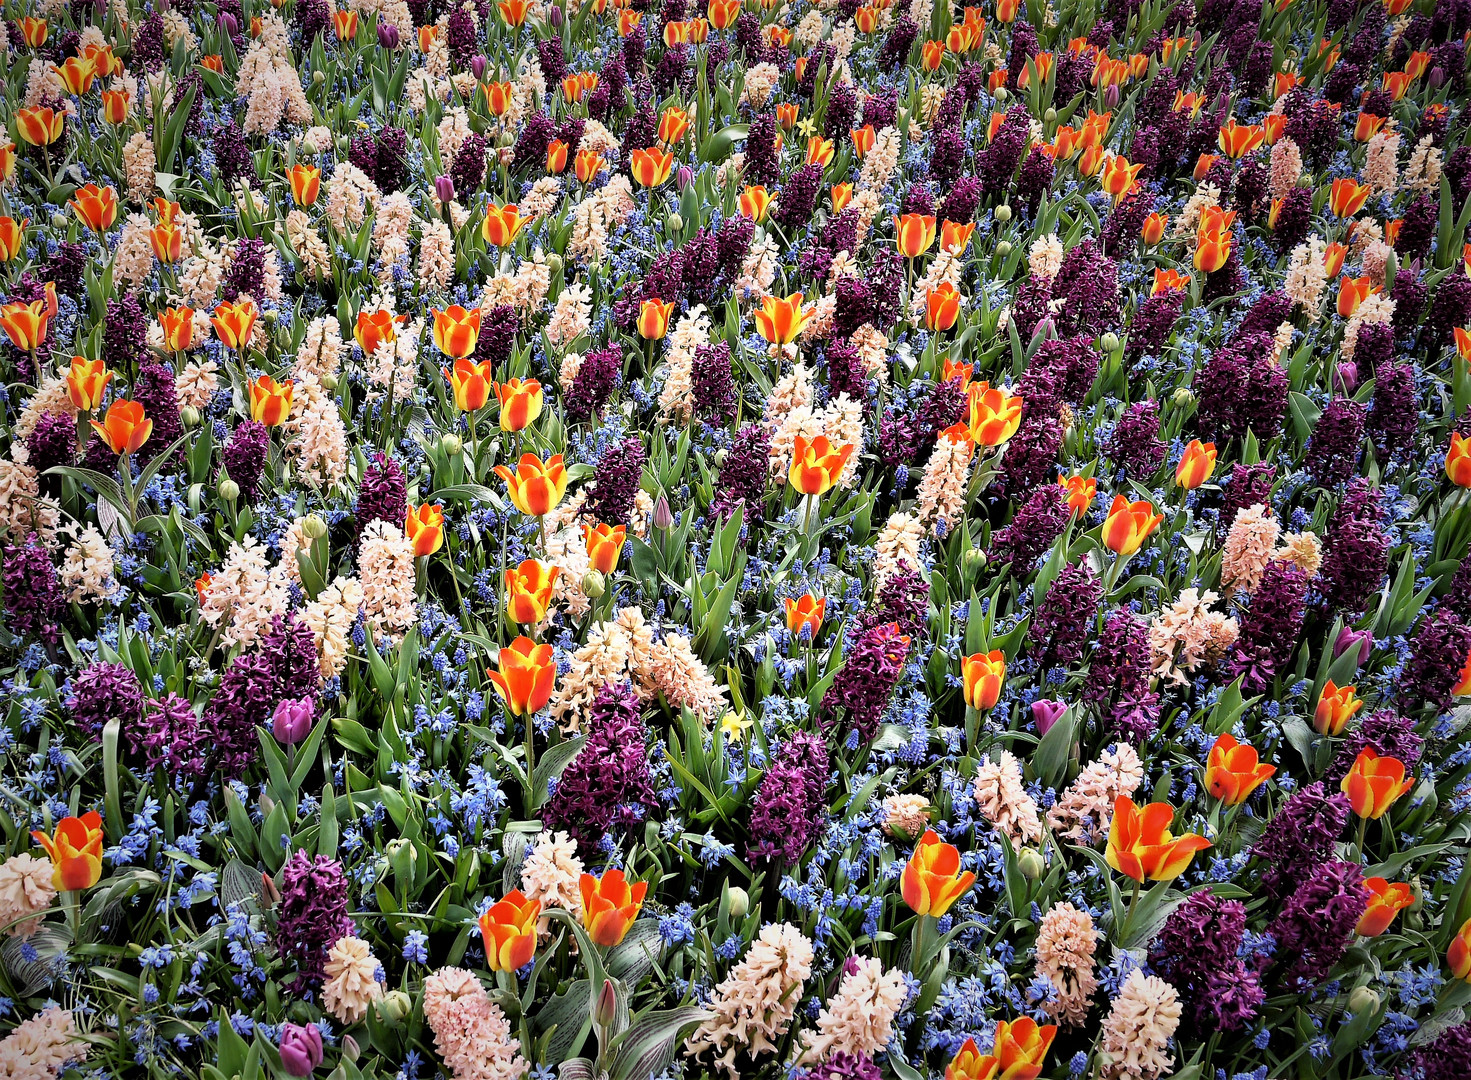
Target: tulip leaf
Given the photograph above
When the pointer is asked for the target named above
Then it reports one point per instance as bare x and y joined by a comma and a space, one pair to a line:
649, 1044
553, 762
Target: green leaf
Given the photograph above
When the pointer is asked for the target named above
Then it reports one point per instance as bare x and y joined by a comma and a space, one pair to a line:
555, 759
648, 1046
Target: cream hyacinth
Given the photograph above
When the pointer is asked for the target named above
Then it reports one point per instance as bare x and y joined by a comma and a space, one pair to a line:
907, 812
39, 1048
471, 1032
1138, 1028
755, 1003
1085, 810
87, 568
26, 889
1002, 799
330, 617
859, 1018
1248, 549
244, 595
386, 568
552, 873
351, 984
1066, 941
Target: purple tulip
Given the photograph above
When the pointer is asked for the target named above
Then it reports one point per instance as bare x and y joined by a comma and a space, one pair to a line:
388, 35
1046, 713
685, 177
1437, 77
477, 67
1347, 376
444, 189
1111, 96
301, 1049
1348, 638
555, 16
293, 721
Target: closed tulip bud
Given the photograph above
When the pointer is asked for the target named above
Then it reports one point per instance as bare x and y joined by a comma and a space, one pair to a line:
293, 720
1362, 1000
684, 177
229, 490
1003, 213
1183, 397
1030, 863
319, 76
190, 415
314, 528
1349, 638
1050, 116
1002, 94
1109, 342
1045, 713
478, 65
1003, 249
350, 1049
555, 18
444, 189
451, 444
594, 584
674, 223
554, 263
329, 381
663, 516
395, 1007
740, 902
388, 35
1112, 96
975, 560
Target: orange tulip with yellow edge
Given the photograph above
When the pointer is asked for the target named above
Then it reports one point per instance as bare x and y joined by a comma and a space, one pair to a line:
85, 383
1021, 1046
994, 414
103, 59
177, 325
1367, 126
234, 321
820, 151
536, 487
604, 545
932, 54
1375, 783
12, 237
424, 528
75, 850
841, 195
39, 126
556, 157
863, 139
754, 202
1238, 140
1169, 278
942, 307
609, 905
76, 74
1458, 955
932, 880
125, 429
513, 11
25, 324
780, 320
970, 1064
521, 403
586, 165
270, 401
1203, 166
95, 206
527, 674
1336, 707
345, 23
955, 238
722, 13
1463, 683
1212, 250
628, 21
470, 383
508, 931
983, 675
306, 184
374, 328
1352, 292
673, 123
816, 464
805, 611
1079, 492
914, 233
529, 590
1197, 462
653, 318
167, 240
651, 167
501, 224
1347, 197
1232, 771
1457, 460
1128, 525
498, 97
33, 31
1386, 900
1140, 844
1006, 10
456, 330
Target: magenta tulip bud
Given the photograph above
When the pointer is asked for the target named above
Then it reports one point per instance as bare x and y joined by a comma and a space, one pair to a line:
607, 1005
555, 17
685, 177
1437, 77
1347, 376
477, 67
293, 721
301, 1049
228, 23
1111, 96
388, 35
1349, 638
663, 516
1046, 713
444, 189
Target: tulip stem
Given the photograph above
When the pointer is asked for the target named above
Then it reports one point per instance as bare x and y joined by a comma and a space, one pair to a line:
1359, 843
807, 515
1129, 912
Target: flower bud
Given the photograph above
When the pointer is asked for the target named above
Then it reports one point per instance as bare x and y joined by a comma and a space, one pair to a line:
58, 221
1362, 1000
314, 527
190, 415
1346, 375
663, 516
269, 891
506, 139
975, 559
554, 262
607, 1007
1003, 248
1109, 342
1030, 863
228, 23
1183, 397
319, 76
395, 1006
388, 35
594, 584
451, 444
329, 381
1003, 213
1045, 713
229, 490
1050, 116
1437, 77
1001, 95
266, 804
350, 1049
740, 902
444, 189
293, 720
555, 17
674, 223
685, 177
477, 67
1112, 96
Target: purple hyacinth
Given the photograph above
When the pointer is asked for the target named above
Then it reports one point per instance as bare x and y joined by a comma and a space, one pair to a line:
867, 679
1315, 926
712, 382
1034, 528
846, 373
762, 165
1035, 179
853, 305
233, 159
244, 699
312, 915
1437, 655
52, 442
1392, 416
1390, 735
961, 203
998, 161
383, 494
1417, 232
1030, 458
1088, 284
392, 160
170, 736
1299, 837
1153, 321
841, 1066
1196, 952
459, 40
1135, 444
1270, 627
1240, 389
247, 272
789, 811
743, 476
616, 482
903, 599
468, 169
106, 691
244, 456
1244, 486
124, 334
1452, 308
1062, 620
1333, 451
606, 789
798, 197
1125, 222
597, 377
33, 597
895, 49
1118, 676
1448, 1057
291, 652
498, 328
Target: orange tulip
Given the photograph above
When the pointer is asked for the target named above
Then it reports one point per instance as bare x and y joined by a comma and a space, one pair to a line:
1386, 900
234, 323
956, 238
501, 224
1006, 10
1375, 783
820, 151
587, 164
33, 31
75, 850
76, 74
863, 139
456, 330
345, 23
1238, 140
1128, 525
1367, 126
40, 126
722, 13
508, 930
1080, 491
1212, 250
25, 324
1065, 143
954, 369
932, 55
1272, 128
85, 383
995, 414
1333, 256
932, 880
673, 124
529, 590
270, 401
1397, 83
306, 183
628, 21
536, 487
942, 307
556, 157
514, 11
806, 611
1457, 459
521, 403
653, 318
817, 464
214, 62
498, 97
1463, 684
1140, 844
424, 528
1463, 341
841, 195
1091, 161
12, 237
780, 321
1336, 707
914, 233
572, 88
1021, 1047
95, 206
1203, 166
1165, 280
604, 545
471, 383
528, 672
168, 242
125, 429
754, 202
983, 675
993, 125
1458, 956
1232, 771
1196, 465
1352, 292
1347, 197
178, 327
103, 60
651, 167
374, 328
970, 1064
609, 906
1119, 177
